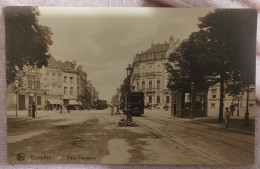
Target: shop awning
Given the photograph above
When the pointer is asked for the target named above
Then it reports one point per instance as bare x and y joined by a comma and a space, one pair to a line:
54, 101
73, 102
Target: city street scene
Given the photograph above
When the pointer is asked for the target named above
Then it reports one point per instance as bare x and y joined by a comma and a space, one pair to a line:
130, 85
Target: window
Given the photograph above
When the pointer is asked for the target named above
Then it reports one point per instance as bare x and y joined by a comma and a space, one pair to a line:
59, 77
213, 93
251, 104
65, 90
150, 99
71, 79
71, 90
137, 85
159, 69
53, 76
39, 100
212, 105
47, 75
252, 93
65, 79
158, 84
143, 69
158, 99
59, 88
150, 84
143, 85
30, 100
167, 99
150, 69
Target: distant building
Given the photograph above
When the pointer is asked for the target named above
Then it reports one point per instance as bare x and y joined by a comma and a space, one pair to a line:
81, 85
70, 83
52, 84
29, 91
239, 101
150, 76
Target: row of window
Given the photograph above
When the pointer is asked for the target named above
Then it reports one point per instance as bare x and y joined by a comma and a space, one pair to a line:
213, 105
158, 99
38, 101
148, 69
214, 93
150, 86
59, 77
154, 55
54, 76
66, 92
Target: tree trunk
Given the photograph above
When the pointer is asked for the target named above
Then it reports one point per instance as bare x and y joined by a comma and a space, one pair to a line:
220, 117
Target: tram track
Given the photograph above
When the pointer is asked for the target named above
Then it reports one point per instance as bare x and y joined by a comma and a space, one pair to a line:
164, 133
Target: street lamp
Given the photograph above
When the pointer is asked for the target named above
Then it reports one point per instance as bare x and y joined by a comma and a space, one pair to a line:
192, 87
247, 113
129, 70
16, 92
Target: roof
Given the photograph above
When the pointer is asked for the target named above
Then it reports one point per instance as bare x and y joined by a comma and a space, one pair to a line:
157, 48
57, 64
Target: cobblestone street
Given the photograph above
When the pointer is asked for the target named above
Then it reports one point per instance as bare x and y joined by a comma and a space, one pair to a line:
93, 137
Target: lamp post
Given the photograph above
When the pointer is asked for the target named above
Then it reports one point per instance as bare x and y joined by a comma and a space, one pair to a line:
247, 113
129, 70
238, 105
192, 100
16, 96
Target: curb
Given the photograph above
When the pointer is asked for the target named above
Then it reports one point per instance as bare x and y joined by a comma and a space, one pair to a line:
25, 119
223, 128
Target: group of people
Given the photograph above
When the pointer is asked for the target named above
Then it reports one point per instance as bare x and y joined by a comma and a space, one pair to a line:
32, 109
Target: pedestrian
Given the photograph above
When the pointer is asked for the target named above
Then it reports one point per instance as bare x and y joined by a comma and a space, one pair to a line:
29, 110
232, 108
33, 109
60, 108
227, 114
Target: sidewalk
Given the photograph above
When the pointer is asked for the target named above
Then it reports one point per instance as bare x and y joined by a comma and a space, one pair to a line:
236, 123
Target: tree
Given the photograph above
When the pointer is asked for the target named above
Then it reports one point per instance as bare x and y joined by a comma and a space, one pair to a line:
190, 63
232, 41
222, 50
27, 42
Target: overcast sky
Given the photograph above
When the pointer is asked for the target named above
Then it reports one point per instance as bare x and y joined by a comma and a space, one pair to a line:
104, 40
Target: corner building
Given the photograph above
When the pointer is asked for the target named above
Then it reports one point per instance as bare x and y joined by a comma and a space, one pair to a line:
150, 76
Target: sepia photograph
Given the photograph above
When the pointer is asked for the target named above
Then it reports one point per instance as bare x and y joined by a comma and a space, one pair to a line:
98, 85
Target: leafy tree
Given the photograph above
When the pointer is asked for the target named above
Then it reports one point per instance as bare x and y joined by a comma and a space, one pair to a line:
190, 63
27, 42
232, 42
222, 50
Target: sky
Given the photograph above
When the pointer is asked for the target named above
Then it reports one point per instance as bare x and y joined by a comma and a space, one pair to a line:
105, 40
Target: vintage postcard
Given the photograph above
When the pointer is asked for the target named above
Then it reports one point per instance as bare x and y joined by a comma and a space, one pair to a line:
130, 85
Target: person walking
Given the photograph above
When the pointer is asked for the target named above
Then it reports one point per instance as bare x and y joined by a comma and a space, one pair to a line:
227, 114
29, 110
60, 108
33, 109
232, 109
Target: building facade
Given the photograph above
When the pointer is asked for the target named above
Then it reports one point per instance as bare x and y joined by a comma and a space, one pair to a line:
149, 74
81, 85
27, 91
239, 101
70, 84
52, 84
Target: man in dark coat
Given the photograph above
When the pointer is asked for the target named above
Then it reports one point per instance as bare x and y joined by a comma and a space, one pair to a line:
33, 110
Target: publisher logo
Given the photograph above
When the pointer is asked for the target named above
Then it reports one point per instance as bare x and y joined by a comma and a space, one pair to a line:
20, 156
